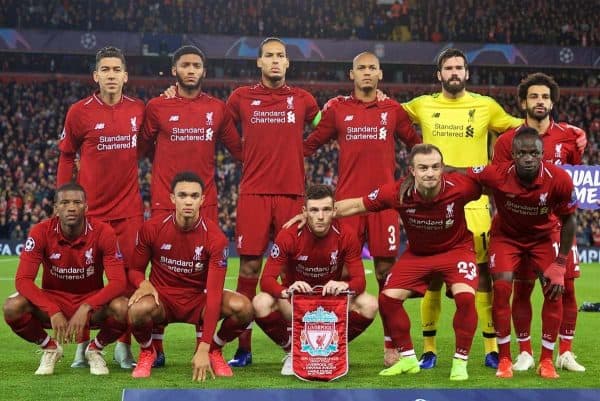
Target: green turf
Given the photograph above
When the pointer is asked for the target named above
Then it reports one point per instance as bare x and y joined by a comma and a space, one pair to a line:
19, 359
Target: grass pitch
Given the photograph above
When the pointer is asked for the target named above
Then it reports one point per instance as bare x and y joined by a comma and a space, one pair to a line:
20, 360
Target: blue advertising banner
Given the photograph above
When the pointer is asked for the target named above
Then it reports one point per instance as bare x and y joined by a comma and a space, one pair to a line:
299, 49
361, 395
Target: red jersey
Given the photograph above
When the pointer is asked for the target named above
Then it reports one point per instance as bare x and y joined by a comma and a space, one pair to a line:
558, 141
432, 226
185, 133
194, 260
365, 133
526, 212
302, 256
71, 266
106, 139
272, 123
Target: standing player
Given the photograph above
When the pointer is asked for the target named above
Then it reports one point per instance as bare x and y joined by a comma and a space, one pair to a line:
102, 130
272, 116
314, 255
458, 121
366, 129
529, 194
184, 130
74, 252
537, 95
438, 244
188, 254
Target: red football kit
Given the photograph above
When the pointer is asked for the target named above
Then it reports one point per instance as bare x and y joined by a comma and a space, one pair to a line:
105, 137
559, 148
366, 134
526, 222
72, 269
272, 186
184, 133
299, 255
187, 269
438, 239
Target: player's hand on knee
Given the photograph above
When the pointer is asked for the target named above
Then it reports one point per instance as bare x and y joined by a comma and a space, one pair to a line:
300, 286
170, 92
300, 219
555, 277
334, 287
78, 322
59, 324
145, 288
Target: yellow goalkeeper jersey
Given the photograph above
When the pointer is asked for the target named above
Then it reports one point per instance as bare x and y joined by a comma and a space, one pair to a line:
459, 127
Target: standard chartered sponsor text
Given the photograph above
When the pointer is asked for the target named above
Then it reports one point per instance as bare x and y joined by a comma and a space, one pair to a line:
440, 129
116, 142
268, 117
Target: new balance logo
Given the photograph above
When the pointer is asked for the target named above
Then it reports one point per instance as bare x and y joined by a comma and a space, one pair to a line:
99, 126
302, 258
166, 247
349, 118
54, 256
255, 103
174, 118
435, 115
411, 211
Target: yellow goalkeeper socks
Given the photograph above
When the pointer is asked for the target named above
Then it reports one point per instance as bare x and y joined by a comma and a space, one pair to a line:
483, 303
431, 306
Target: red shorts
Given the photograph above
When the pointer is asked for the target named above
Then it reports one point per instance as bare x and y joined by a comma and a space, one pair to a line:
414, 272
127, 230
182, 306
379, 230
66, 301
257, 215
525, 272
507, 254
210, 212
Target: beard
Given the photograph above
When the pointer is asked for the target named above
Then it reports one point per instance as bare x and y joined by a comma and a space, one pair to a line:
531, 113
190, 87
453, 88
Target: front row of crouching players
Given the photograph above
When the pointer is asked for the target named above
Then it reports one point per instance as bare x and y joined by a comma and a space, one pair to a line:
317, 254
188, 256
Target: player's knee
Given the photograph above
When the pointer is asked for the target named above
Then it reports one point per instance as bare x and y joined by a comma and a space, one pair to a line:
263, 304
14, 307
141, 310
241, 307
118, 309
367, 305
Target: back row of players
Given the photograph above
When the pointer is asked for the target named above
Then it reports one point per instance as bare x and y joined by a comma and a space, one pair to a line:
109, 130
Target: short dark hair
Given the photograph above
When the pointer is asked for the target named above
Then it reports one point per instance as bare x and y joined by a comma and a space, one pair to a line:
187, 49
423, 149
69, 186
538, 78
186, 176
449, 53
525, 132
110, 51
319, 191
269, 40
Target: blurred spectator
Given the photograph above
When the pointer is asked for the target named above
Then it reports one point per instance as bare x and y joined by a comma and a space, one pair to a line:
568, 23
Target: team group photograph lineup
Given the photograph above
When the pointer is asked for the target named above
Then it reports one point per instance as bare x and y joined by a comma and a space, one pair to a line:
184, 218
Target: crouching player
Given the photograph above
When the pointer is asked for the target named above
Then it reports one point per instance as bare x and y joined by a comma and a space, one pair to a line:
314, 255
74, 252
439, 245
188, 256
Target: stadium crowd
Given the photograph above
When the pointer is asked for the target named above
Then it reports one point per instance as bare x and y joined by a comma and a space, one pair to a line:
33, 114
570, 23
